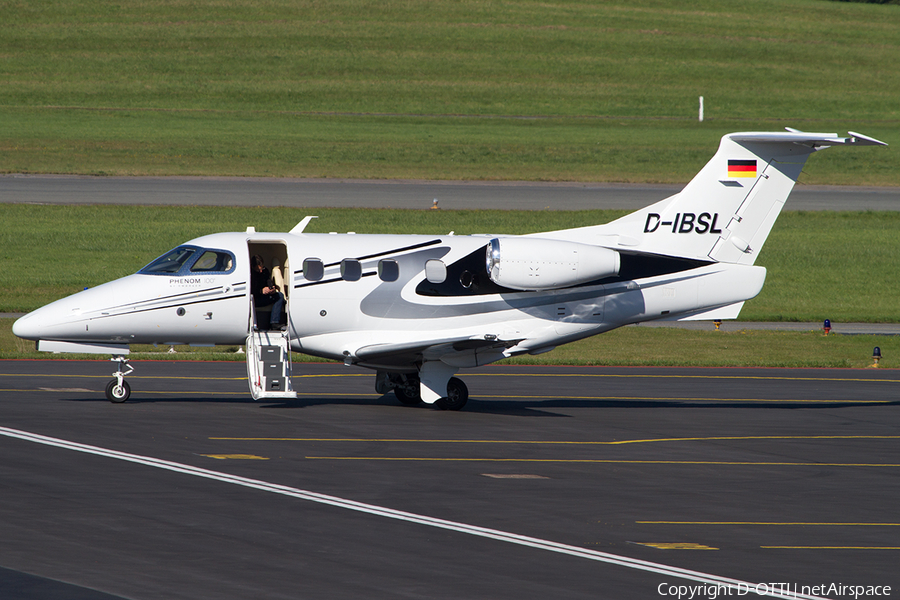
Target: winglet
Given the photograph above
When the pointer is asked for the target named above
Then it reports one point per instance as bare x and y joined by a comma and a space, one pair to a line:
864, 140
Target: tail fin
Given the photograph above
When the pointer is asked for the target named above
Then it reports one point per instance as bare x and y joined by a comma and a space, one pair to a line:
726, 212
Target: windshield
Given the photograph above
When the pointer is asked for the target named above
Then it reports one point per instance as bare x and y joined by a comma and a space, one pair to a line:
171, 262
191, 259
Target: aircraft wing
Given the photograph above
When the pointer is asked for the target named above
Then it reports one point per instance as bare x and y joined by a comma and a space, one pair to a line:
409, 353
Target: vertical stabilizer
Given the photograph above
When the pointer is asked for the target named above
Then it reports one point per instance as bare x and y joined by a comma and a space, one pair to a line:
726, 212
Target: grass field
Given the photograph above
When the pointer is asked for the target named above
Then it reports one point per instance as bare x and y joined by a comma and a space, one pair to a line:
439, 89
840, 266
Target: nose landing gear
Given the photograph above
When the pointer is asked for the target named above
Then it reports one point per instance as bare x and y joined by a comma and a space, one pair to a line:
118, 390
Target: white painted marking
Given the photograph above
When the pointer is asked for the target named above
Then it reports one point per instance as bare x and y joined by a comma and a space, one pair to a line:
743, 587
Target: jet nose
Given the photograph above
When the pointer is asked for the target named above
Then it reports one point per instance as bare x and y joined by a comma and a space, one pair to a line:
27, 327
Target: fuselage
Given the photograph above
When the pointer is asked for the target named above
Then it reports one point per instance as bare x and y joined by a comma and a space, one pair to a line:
380, 300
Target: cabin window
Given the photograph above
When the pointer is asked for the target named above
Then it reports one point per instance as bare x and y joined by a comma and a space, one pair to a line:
351, 269
313, 269
388, 270
435, 271
213, 261
171, 262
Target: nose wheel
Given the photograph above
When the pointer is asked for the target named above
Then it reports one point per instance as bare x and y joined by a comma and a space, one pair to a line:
118, 390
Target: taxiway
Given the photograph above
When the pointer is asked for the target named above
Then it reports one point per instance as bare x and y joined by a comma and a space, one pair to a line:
553, 482
356, 193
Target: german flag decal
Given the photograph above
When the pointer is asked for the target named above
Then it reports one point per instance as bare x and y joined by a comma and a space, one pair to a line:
742, 168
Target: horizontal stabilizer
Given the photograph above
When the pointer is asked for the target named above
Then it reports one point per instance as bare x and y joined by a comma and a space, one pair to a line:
805, 138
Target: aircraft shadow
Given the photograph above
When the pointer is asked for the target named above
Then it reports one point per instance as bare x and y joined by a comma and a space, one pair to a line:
511, 407
138, 399
545, 407
508, 406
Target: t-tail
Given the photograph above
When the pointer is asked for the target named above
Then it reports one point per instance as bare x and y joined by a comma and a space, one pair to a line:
726, 212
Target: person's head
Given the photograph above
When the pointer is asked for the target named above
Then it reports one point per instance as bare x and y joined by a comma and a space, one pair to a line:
258, 263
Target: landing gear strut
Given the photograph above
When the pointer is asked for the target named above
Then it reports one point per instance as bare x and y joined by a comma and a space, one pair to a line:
118, 390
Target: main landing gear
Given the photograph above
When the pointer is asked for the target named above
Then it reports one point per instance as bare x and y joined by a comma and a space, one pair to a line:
408, 391
118, 390
457, 395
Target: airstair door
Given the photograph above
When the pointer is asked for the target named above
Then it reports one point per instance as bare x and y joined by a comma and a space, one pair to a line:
269, 364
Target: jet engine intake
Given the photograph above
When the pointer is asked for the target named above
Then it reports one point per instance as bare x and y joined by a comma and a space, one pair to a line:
527, 264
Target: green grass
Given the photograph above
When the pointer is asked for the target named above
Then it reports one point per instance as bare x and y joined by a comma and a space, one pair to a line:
840, 266
437, 89
636, 345
836, 265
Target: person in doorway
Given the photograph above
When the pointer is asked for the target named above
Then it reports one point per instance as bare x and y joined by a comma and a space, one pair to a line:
264, 290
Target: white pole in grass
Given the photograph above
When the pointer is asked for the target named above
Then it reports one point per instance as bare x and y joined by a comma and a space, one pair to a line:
701, 109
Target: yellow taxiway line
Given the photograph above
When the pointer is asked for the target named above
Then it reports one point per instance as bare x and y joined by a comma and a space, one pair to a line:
767, 523
602, 461
563, 442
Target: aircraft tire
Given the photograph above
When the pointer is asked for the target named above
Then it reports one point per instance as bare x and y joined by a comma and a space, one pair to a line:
408, 392
117, 394
457, 395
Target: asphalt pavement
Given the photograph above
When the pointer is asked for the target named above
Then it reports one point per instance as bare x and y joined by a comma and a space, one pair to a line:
355, 193
553, 482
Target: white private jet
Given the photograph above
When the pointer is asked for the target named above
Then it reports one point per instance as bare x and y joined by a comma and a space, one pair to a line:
417, 308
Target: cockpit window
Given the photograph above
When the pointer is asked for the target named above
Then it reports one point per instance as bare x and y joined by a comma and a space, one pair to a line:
171, 262
213, 261
190, 259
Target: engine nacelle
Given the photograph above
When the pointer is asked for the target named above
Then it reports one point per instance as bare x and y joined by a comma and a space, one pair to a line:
523, 263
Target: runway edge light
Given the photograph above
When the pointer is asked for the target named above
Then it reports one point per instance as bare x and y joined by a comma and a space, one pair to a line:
876, 356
